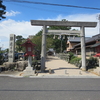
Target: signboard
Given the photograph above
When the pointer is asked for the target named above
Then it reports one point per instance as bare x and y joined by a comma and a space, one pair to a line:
11, 47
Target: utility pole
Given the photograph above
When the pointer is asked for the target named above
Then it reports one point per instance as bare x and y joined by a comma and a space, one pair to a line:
99, 22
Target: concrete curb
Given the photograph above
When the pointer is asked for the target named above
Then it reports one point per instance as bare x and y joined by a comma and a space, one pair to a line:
49, 76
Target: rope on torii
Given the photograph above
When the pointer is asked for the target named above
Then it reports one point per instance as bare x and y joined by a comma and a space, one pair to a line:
63, 32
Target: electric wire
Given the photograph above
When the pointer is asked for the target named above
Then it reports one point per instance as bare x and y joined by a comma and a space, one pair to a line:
37, 8
52, 4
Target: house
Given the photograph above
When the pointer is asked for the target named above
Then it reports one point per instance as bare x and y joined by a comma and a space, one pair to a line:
92, 46
72, 41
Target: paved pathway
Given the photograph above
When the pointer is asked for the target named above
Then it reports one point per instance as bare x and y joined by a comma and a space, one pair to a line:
60, 68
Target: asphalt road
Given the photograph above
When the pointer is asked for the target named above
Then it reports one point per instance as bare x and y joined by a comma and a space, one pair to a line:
49, 89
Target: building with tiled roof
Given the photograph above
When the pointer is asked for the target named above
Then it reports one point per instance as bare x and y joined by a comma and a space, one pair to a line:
72, 41
92, 46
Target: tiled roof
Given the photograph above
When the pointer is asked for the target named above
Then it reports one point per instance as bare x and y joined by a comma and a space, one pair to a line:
76, 39
95, 45
93, 38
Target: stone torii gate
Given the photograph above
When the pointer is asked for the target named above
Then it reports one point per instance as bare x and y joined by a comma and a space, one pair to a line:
46, 23
63, 33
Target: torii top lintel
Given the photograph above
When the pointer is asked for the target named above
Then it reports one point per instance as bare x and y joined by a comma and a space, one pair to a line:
63, 23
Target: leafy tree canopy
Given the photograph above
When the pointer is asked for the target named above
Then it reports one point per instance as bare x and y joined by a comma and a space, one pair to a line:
37, 40
60, 27
19, 41
2, 10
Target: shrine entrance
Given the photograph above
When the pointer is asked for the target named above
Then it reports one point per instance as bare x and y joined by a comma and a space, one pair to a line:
46, 23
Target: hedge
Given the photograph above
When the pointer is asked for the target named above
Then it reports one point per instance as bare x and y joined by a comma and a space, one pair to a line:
90, 63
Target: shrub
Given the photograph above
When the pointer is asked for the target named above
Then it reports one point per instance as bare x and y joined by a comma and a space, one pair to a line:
71, 55
1, 59
91, 63
76, 61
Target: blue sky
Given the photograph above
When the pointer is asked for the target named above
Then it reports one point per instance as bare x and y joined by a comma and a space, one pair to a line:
37, 11
18, 16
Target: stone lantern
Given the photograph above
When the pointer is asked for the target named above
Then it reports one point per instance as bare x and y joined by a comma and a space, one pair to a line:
29, 47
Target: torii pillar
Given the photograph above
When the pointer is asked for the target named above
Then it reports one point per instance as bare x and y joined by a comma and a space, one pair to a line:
43, 49
83, 52
82, 25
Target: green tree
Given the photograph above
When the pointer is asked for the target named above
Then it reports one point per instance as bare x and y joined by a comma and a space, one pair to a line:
19, 41
39, 33
60, 27
50, 42
60, 44
2, 10
37, 40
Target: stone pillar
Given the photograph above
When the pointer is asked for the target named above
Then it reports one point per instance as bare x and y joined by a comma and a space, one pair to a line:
29, 61
83, 53
99, 61
76, 51
29, 69
43, 49
11, 48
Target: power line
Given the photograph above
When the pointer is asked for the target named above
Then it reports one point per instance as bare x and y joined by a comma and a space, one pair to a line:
43, 3
99, 22
37, 8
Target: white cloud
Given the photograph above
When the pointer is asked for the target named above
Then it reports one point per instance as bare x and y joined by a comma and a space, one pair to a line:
9, 26
25, 29
12, 13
